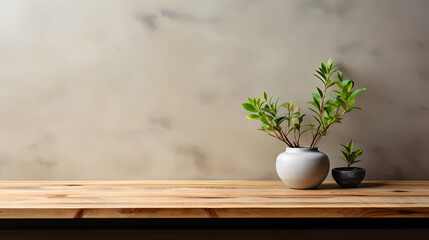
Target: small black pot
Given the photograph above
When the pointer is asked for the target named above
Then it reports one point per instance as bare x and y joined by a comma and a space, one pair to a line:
348, 177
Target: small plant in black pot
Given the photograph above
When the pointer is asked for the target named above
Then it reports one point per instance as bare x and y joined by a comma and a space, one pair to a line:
349, 176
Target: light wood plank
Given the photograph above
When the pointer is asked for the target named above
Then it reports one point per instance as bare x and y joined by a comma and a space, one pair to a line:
209, 199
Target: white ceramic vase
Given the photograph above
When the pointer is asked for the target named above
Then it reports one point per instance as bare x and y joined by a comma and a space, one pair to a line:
302, 168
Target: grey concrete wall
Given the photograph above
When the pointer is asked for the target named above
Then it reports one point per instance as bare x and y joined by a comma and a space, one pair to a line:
153, 89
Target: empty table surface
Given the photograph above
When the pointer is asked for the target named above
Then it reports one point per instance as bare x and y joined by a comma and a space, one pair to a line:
210, 199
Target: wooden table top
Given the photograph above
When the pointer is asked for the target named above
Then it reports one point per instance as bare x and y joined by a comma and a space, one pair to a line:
210, 199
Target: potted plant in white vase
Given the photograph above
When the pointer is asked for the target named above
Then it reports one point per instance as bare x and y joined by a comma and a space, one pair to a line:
305, 167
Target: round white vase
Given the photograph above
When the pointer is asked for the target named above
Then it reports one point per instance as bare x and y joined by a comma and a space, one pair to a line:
302, 168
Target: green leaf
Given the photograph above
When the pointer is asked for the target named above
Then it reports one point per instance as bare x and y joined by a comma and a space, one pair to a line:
345, 94
358, 152
341, 102
281, 119
339, 85
268, 110
331, 83
314, 111
317, 101
317, 119
265, 96
323, 67
351, 100
270, 118
332, 109
345, 82
350, 85
329, 102
323, 81
265, 120
275, 104
320, 92
330, 64
298, 126
290, 130
316, 98
305, 130
340, 75
249, 107
356, 161
346, 147
252, 116
325, 115
346, 154
321, 74
315, 105
338, 120
285, 105
351, 145
265, 127
301, 118
358, 91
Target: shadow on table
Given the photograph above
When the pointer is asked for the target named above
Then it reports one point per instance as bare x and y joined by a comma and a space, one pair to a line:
362, 185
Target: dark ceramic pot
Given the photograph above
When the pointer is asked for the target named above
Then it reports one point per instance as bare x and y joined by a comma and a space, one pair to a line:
348, 177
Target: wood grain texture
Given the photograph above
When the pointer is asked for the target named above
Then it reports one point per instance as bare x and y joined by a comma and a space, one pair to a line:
209, 199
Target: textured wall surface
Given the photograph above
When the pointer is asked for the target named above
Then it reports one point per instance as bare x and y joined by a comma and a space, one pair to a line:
153, 89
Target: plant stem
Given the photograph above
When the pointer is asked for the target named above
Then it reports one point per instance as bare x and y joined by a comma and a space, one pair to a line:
295, 141
315, 136
286, 139
326, 129
281, 138
320, 136
322, 104
276, 137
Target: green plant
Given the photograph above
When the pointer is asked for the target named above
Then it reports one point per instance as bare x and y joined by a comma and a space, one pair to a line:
329, 107
351, 156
